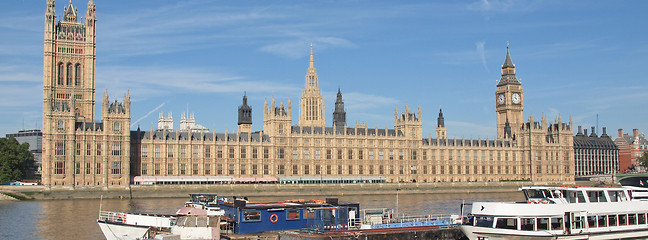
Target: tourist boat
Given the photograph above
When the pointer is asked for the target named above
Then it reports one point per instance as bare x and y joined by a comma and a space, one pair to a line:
199, 218
566, 212
385, 219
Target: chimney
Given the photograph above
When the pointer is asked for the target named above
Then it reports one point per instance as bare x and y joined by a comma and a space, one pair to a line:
593, 132
580, 131
635, 132
604, 133
620, 132
585, 132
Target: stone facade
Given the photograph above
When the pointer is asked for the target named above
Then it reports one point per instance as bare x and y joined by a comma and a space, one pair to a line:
77, 151
535, 150
80, 152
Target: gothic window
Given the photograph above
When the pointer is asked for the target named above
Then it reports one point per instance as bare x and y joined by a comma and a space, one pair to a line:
280, 169
266, 153
88, 165
170, 169
78, 150
69, 74
306, 169
88, 149
59, 148
391, 154
350, 154
157, 151
328, 169
98, 149
144, 151
77, 75
115, 167
116, 149
350, 169
170, 151
414, 155
61, 74
157, 169
339, 154
230, 169
255, 169
295, 169
317, 154
219, 169
242, 168
207, 169
196, 152
116, 127
144, 169
360, 156
207, 152
59, 167
183, 151
306, 154
60, 126
266, 169
183, 169
254, 153
195, 169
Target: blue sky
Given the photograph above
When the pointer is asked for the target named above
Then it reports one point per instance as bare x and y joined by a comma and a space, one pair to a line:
574, 58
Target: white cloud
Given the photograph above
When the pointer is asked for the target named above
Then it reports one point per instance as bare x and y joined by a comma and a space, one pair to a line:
481, 51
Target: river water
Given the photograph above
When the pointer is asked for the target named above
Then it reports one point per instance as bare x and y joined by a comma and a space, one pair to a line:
76, 219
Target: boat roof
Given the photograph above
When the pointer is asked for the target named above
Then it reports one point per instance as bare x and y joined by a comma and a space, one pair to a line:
570, 188
289, 204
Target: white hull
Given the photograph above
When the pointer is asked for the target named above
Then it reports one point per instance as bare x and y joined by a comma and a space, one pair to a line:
117, 231
474, 233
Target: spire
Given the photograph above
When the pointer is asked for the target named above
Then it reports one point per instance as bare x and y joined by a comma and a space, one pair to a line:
339, 96
244, 112
507, 129
339, 115
508, 70
440, 120
507, 61
70, 13
311, 75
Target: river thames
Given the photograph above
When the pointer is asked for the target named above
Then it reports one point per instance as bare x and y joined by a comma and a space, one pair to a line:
76, 219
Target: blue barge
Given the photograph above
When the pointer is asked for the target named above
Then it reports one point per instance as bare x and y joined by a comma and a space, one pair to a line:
256, 217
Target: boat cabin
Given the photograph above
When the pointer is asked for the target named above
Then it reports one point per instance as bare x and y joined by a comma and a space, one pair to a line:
568, 194
255, 217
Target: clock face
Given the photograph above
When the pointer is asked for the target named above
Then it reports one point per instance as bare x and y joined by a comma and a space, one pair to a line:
500, 99
515, 98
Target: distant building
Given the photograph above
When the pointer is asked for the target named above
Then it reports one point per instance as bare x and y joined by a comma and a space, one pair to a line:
595, 155
631, 147
35, 139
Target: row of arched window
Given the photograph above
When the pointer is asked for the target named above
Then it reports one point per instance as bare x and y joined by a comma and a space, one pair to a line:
69, 74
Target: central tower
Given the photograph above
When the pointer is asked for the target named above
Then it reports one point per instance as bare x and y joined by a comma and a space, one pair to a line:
311, 105
509, 100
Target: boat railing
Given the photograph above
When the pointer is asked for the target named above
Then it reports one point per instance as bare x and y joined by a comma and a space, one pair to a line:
118, 217
423, 218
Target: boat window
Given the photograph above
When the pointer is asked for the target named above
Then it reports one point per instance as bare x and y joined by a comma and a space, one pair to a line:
542, 224
292, 214
556, 223
506, 223
538, 193
641, 217
527, 224
632, 219
251, 216
612, 220
614, 196
601, 221
577, 222
591, 221
596, 196
571, 196
623, 219
309, 213
484, 222
581, 197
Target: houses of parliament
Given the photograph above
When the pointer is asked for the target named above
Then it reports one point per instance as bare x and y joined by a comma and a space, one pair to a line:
81, 151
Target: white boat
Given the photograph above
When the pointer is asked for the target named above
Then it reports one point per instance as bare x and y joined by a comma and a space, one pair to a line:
565, 212
198, 219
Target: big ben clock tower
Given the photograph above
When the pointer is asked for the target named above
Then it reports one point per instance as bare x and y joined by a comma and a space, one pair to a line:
509, 100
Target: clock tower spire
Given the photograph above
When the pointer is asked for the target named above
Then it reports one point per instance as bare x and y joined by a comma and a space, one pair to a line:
509, 101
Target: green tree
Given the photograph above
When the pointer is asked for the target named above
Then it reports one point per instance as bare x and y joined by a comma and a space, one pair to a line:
16, 161
643, 160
